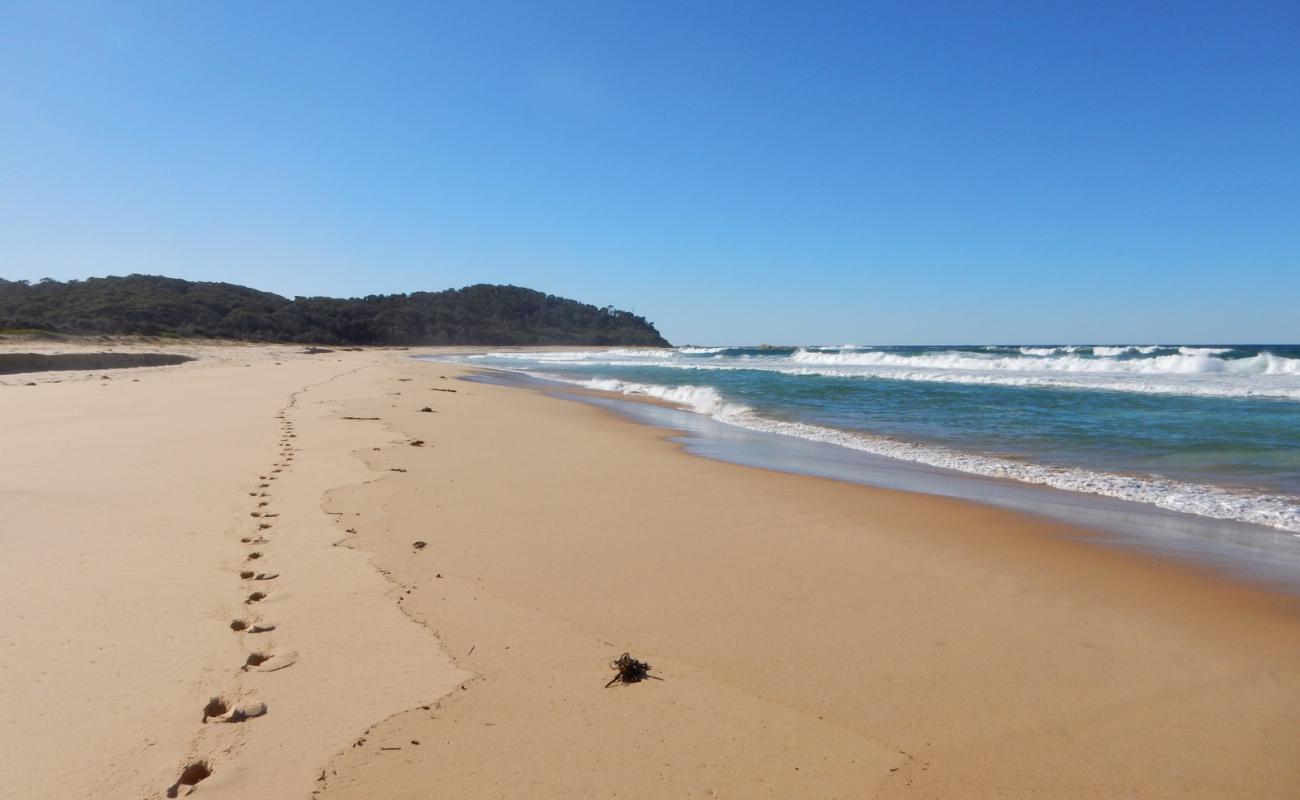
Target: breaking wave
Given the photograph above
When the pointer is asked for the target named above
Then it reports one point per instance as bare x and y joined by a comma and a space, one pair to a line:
1277, 511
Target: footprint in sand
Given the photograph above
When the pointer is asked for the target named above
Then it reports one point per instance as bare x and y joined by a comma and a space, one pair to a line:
255, 626
266, 662
239, 713
253, 556
263, 526
216, 707
190, 777
255, 597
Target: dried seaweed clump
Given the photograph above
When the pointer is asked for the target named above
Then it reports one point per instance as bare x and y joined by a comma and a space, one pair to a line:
629, 670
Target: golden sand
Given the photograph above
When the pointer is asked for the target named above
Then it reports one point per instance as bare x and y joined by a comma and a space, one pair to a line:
448, 610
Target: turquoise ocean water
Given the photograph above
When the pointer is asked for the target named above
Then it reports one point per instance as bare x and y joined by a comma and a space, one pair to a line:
1207, 430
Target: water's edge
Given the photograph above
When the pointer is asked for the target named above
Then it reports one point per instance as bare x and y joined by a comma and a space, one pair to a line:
1253, 552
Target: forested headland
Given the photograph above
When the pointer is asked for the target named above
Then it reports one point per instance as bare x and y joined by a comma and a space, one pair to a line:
153, 305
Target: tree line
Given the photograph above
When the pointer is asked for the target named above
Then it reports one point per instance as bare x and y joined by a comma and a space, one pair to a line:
153, 305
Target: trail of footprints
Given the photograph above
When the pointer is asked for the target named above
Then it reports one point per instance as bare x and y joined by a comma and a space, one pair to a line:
255, 588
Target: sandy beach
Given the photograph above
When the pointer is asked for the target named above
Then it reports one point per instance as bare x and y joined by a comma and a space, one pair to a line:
445, 588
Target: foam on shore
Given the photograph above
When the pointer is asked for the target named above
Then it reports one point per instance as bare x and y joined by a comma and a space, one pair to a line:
1209, 501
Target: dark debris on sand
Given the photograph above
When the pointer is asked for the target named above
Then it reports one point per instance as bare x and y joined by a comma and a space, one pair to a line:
629, 670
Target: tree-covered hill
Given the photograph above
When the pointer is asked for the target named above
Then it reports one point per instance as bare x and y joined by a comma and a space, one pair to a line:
154, 305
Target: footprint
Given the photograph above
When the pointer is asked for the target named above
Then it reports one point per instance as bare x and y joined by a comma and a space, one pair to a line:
253, 556
216, 707
255, 597
278, 662
247, 575
251, 627
263, 526
255, 660
255, 513
243, 712
266, 662
190, 777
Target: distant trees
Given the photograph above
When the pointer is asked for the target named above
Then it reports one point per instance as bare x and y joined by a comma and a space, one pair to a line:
156, 305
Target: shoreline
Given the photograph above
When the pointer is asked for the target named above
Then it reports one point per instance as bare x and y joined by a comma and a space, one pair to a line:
782, 398
815, 638
991, 648
1235, 550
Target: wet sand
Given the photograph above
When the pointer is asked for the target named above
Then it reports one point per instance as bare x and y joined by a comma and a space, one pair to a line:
815, 639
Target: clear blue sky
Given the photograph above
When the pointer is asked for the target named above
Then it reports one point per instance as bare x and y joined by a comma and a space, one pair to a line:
737, 172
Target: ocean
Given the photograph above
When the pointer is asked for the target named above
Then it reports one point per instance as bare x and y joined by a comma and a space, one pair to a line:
1202, 429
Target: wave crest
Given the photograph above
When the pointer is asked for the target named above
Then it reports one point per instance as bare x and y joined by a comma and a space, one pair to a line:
1277, 511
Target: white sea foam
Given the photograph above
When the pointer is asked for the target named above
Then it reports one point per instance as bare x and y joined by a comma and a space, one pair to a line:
699, 351
1193, 371
700, 399
1195, 361
1193, 386
1276, 511
1043, 351
1145, 349
1207, 351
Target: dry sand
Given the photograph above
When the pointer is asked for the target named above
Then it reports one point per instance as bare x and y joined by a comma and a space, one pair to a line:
124, 501
815, 639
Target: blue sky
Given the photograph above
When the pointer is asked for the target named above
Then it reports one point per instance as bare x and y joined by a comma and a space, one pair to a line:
737, 172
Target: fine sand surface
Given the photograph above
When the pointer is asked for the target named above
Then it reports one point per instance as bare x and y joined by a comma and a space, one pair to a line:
124, 503
815, 639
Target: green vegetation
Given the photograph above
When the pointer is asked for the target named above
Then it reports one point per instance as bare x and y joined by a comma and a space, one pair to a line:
156, 306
